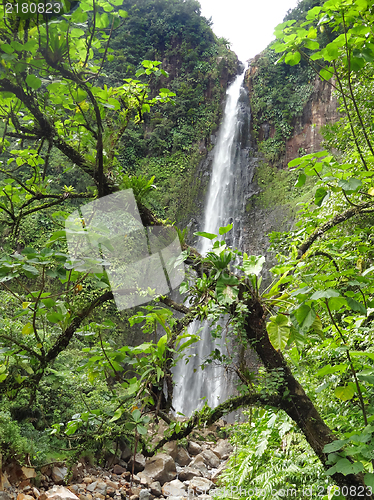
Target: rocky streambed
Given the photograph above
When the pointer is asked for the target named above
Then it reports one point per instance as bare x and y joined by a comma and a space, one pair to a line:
176, 473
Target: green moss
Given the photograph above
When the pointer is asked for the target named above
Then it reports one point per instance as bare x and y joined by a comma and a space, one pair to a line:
177, 187
278, 189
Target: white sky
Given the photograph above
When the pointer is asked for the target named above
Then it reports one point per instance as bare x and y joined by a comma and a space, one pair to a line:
247, 24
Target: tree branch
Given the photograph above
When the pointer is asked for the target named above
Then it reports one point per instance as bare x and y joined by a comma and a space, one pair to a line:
64, 338
205, 417
174, 305
320, 231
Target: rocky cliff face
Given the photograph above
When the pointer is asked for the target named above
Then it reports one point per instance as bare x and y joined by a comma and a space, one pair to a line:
320, 109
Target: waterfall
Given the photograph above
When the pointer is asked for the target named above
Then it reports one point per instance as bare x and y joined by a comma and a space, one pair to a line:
228, 192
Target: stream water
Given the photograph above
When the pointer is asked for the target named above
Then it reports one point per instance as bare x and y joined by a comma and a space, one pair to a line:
226, 200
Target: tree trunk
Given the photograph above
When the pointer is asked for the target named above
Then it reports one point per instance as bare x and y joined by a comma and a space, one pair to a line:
294, 400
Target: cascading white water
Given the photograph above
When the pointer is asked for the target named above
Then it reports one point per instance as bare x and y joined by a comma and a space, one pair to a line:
227, 194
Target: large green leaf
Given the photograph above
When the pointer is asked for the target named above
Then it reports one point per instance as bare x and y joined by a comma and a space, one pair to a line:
301, 180
320, 196
226, 229
325, 294
344, 466
55, 317
27, 329
336, 303
226, 289
328, 369
356, 306
30, 271
369, 480
367, 354
305, 316
326, 73
278, 329
344, 392
293, 58
253, 264
350, 185
335, 445
317, 327
210, 236
33, 81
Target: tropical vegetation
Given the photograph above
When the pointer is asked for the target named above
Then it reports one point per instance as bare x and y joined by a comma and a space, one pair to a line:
310, 401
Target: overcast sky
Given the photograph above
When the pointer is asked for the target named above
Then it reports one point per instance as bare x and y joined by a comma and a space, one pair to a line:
247, 24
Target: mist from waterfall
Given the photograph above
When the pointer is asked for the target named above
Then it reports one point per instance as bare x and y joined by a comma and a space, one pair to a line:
226, 200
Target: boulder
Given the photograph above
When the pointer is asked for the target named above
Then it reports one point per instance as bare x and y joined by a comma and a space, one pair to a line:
144, 479
22, 496
210, 458
15, 473
144, 495
101, 488
4, 481
139, 463
126, 453
171, 449
199, 463
193, 448
60, 493
88, 480
182, 457
135, 490
118, 470
112, 484
200, 485
219, 471
28, 472
156, 489
188, 473
59, 474
223, 449
4, 496
46, 470
174, 488
92, 486
161, 468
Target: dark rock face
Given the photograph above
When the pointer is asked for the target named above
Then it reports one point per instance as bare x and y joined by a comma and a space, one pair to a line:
321, 109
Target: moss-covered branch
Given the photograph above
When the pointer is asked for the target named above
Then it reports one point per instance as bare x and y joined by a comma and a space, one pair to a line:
208, 416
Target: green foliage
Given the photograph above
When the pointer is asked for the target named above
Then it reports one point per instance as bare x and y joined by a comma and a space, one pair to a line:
173, 139
318, 309
270, 455
12, 443
61, 134
278, 96
141, 186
